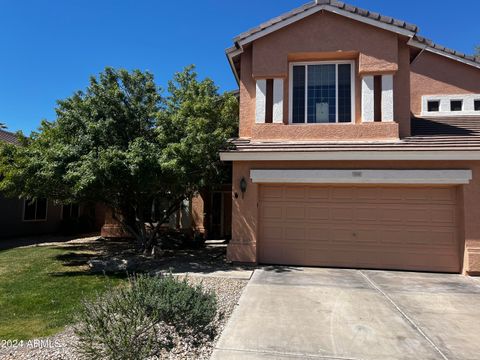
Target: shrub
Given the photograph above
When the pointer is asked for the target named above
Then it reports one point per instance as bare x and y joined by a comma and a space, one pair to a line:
140, 320
177, 303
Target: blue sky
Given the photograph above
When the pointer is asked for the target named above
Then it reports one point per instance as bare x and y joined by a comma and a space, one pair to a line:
50, 48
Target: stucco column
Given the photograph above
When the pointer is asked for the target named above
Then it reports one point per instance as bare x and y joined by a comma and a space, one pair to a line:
368, 101
387, 98
260, 101
471, 214
243, 246
278, 101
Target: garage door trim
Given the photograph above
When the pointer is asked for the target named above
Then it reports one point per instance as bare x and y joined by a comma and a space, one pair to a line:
360, 176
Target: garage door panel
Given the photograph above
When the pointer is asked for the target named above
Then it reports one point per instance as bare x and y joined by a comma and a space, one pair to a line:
318, 213
443, 238
294, 233
417, 214
295, 193
342, 214
392, 215
318, 234
367, 214
373, 227
295, 212
270, 192
318, 193
367, 193
342, 193
445, 216
271, 212
444, 194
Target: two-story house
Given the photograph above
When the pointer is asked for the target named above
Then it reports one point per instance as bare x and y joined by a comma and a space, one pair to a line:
359, 145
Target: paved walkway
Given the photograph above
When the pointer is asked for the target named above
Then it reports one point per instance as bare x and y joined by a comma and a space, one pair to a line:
304, 313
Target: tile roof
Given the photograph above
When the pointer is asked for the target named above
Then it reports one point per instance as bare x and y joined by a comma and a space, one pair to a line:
443, 49
8, 137
447, 134
337, 4
416, 39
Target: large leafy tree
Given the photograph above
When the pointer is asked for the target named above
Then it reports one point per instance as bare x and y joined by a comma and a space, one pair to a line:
121, 143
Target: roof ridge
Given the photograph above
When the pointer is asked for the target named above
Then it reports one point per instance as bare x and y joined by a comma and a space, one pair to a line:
334, 3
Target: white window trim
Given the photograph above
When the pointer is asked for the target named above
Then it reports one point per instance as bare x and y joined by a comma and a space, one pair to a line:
461, 105
474, 101
306, 63
36, 204
433, 100
468, 105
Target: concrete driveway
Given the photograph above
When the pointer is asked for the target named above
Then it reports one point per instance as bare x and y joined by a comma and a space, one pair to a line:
305, 313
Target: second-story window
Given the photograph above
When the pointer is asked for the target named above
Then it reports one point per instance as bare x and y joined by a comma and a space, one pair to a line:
322, 92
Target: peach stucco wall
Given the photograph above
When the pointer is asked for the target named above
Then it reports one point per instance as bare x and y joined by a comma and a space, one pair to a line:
375, 52
401, 89
243, 247
345, 131
432, 74
325, 32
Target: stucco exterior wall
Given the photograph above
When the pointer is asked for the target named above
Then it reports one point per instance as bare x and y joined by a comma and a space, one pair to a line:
325, 32
321, 37
401, 89
247, 95
432, 74
243, 247
343, 131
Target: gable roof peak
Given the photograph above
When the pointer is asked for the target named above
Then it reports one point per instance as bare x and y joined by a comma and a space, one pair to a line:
334, 6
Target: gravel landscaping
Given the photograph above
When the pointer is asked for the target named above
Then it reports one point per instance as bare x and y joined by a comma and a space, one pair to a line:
61, 346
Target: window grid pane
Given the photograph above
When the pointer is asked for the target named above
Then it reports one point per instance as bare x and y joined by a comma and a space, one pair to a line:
298, 94
344, 93
322, 105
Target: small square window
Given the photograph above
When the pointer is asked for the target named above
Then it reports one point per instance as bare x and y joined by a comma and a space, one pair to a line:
456, 105
476, 105
433, 106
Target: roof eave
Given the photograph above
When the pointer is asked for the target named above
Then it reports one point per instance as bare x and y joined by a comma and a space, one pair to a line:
366, 155
231, 53
367, 20
241, 40
425, 47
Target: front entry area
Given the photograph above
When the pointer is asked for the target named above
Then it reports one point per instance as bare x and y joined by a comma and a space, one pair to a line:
379, 227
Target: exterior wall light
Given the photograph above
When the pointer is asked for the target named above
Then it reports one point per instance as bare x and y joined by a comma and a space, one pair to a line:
243, 186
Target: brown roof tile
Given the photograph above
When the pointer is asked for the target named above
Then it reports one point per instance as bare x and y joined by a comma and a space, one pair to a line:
451, 134
442, 48
362, 12
8, 137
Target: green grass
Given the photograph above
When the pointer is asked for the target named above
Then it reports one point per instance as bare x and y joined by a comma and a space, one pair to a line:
41, 288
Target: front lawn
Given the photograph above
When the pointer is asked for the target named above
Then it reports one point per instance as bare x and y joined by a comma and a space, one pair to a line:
41, 288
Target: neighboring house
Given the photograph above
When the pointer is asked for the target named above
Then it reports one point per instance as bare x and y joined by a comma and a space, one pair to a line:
208, 214
359, 145
23, 217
